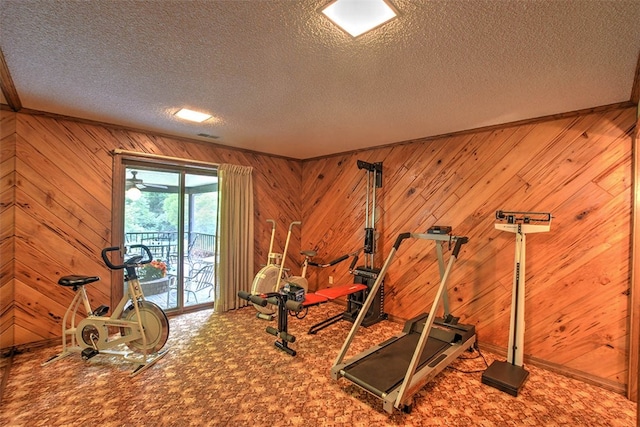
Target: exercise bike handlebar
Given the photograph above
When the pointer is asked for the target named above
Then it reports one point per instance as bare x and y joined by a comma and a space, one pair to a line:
339, 260
330, 263
294, 223
132, 262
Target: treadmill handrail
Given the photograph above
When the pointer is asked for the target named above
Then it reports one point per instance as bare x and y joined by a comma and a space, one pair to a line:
424, 336
367, 303
374, 289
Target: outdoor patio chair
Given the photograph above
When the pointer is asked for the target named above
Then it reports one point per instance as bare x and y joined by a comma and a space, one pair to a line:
192, 261
173, 285
202, 279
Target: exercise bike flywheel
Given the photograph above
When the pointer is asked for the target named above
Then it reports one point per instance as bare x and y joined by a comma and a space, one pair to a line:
156, 327
264, 282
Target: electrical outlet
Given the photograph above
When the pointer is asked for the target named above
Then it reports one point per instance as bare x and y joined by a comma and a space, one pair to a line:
331, 280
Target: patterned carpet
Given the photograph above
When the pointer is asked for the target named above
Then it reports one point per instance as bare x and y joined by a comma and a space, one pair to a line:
223, 370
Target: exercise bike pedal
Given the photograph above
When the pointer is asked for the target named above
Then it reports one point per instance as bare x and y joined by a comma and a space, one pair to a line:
101, 311
88, 353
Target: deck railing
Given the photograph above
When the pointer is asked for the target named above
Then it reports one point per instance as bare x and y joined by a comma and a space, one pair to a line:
164, 244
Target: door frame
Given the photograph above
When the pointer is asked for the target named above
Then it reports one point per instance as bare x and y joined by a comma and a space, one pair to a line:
121, 158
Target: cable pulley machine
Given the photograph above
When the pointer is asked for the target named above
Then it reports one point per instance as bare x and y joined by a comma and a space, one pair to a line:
374, 180
509, 376
367, 273
364, 276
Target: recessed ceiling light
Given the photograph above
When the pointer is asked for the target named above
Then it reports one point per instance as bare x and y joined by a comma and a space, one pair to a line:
193, 116
356, 17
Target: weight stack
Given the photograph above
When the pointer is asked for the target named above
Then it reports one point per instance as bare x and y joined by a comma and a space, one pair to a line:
366, 276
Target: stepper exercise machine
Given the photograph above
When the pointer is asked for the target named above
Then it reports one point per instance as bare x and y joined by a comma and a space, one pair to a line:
510, 376
397, 368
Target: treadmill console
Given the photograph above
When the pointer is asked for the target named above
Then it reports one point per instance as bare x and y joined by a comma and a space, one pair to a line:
439, 229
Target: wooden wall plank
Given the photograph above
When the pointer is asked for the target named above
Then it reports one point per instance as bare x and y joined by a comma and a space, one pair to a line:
77, 166
7, 219
35, 240
49, 175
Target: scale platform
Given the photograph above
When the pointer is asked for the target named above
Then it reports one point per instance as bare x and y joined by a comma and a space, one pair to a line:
505, 377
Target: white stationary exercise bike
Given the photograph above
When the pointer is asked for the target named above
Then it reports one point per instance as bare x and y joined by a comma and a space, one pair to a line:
265, 279
271, 277
143, 325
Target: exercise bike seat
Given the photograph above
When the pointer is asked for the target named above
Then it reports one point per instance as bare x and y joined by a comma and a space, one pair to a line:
309, 253
77, 280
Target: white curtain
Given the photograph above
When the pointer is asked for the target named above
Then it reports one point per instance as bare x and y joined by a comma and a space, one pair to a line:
235, 272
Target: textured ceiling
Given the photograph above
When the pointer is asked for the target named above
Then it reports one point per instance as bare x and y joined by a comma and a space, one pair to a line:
280, 78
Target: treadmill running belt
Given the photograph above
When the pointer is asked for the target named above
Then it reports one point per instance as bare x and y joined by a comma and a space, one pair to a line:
383, 370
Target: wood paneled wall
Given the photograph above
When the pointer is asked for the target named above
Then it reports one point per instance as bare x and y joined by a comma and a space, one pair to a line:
7, 215
578, 168
56, 213
56, 210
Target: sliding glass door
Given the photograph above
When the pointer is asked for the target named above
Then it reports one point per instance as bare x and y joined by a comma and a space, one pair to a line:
200, 261
173, 211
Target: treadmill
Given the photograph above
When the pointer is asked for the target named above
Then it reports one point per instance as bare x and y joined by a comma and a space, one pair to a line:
399, 367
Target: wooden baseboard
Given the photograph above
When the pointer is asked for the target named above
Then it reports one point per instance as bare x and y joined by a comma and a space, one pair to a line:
25, 348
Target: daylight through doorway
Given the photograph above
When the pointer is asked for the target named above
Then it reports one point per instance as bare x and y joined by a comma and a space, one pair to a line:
174, 211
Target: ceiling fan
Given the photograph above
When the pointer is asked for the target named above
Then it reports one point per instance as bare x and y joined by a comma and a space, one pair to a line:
135, 182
